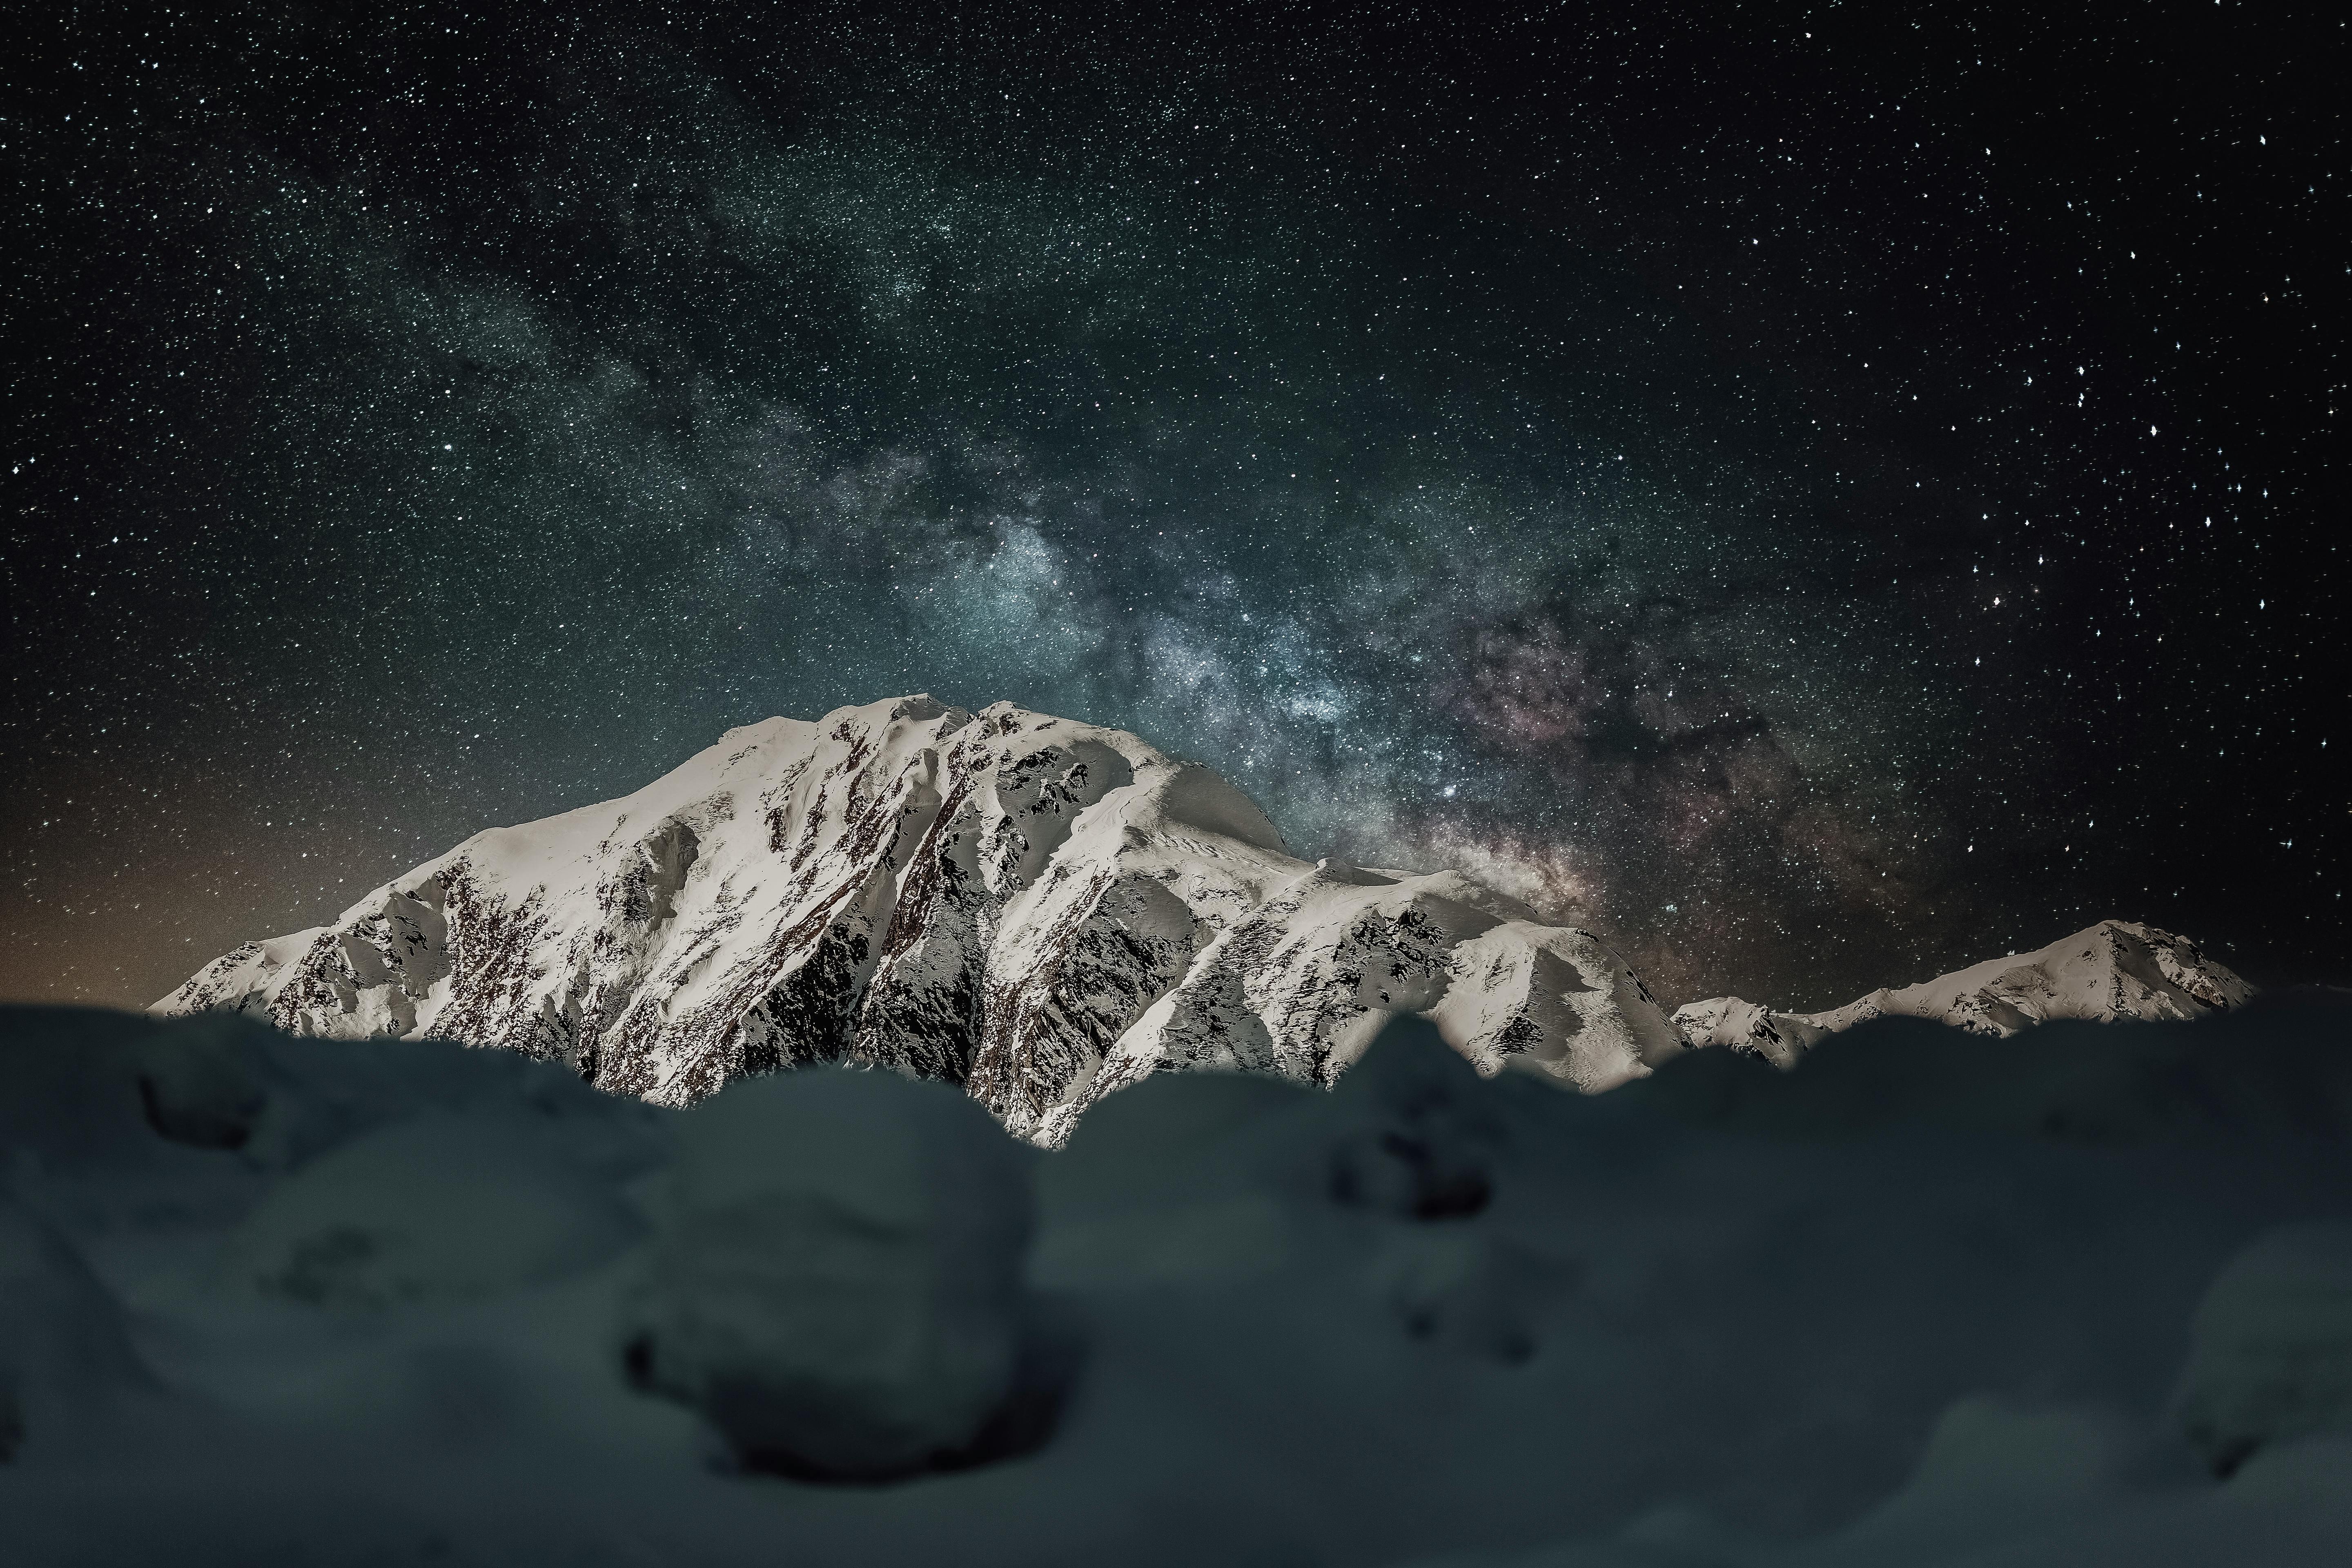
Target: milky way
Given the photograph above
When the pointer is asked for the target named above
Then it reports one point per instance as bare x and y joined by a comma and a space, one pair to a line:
1812, 507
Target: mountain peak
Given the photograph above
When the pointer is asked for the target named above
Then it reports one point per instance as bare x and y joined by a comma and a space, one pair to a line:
1038, 908
2111, 972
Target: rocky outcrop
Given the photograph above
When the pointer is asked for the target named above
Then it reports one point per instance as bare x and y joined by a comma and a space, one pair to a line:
1037, 909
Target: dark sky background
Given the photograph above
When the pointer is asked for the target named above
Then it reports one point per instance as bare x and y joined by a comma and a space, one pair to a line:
1818, 494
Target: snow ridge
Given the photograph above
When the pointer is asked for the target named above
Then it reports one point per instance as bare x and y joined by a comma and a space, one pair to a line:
2109, 973
1038, 909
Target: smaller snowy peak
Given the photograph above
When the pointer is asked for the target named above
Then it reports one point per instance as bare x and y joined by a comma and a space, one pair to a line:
1734, 1024
243, 980
2112, 971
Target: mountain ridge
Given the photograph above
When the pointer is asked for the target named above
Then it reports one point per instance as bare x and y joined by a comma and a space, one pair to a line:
1039, 910
2111, 972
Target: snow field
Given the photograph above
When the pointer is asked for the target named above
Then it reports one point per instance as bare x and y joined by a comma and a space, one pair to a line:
1928, 1297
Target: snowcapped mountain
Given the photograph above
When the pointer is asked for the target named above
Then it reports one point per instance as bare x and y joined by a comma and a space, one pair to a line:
1039, 910
2114, 970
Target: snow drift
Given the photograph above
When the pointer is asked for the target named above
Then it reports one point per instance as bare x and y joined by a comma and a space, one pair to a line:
836, 1283
1926, 1297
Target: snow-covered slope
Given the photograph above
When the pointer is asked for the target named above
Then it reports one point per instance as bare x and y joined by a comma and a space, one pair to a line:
1039, 910
2114, 971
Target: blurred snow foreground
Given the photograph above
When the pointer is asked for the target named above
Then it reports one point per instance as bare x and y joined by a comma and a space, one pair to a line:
837, 1283
2082, 1295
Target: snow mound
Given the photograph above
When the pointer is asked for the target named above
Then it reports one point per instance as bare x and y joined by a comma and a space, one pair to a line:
836, 1284
438, 1210
2278, 1068
1427, 1149
126, 1098
204, 1089
63, 1349
2273, 1353
1993, 1473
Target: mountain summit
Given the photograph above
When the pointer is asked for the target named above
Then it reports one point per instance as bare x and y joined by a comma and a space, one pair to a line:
1039, 910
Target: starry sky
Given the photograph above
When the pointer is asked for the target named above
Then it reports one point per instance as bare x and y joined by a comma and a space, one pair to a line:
1818, 494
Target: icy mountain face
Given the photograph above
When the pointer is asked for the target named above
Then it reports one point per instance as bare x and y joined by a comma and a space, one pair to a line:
2112, 971
1038, 909
1742, 1026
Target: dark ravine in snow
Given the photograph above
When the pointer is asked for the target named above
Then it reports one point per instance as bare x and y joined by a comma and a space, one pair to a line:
1039, 910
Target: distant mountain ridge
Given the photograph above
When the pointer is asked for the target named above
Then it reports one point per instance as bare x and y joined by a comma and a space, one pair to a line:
2108, 973
1039, 910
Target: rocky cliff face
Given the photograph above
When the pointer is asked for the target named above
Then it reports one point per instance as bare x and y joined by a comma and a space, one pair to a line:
2113, 972
1038, 909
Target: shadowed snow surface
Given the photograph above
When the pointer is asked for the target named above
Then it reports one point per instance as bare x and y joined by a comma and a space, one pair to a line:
1929, 1297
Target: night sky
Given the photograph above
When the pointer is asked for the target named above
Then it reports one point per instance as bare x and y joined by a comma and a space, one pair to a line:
1816, 494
